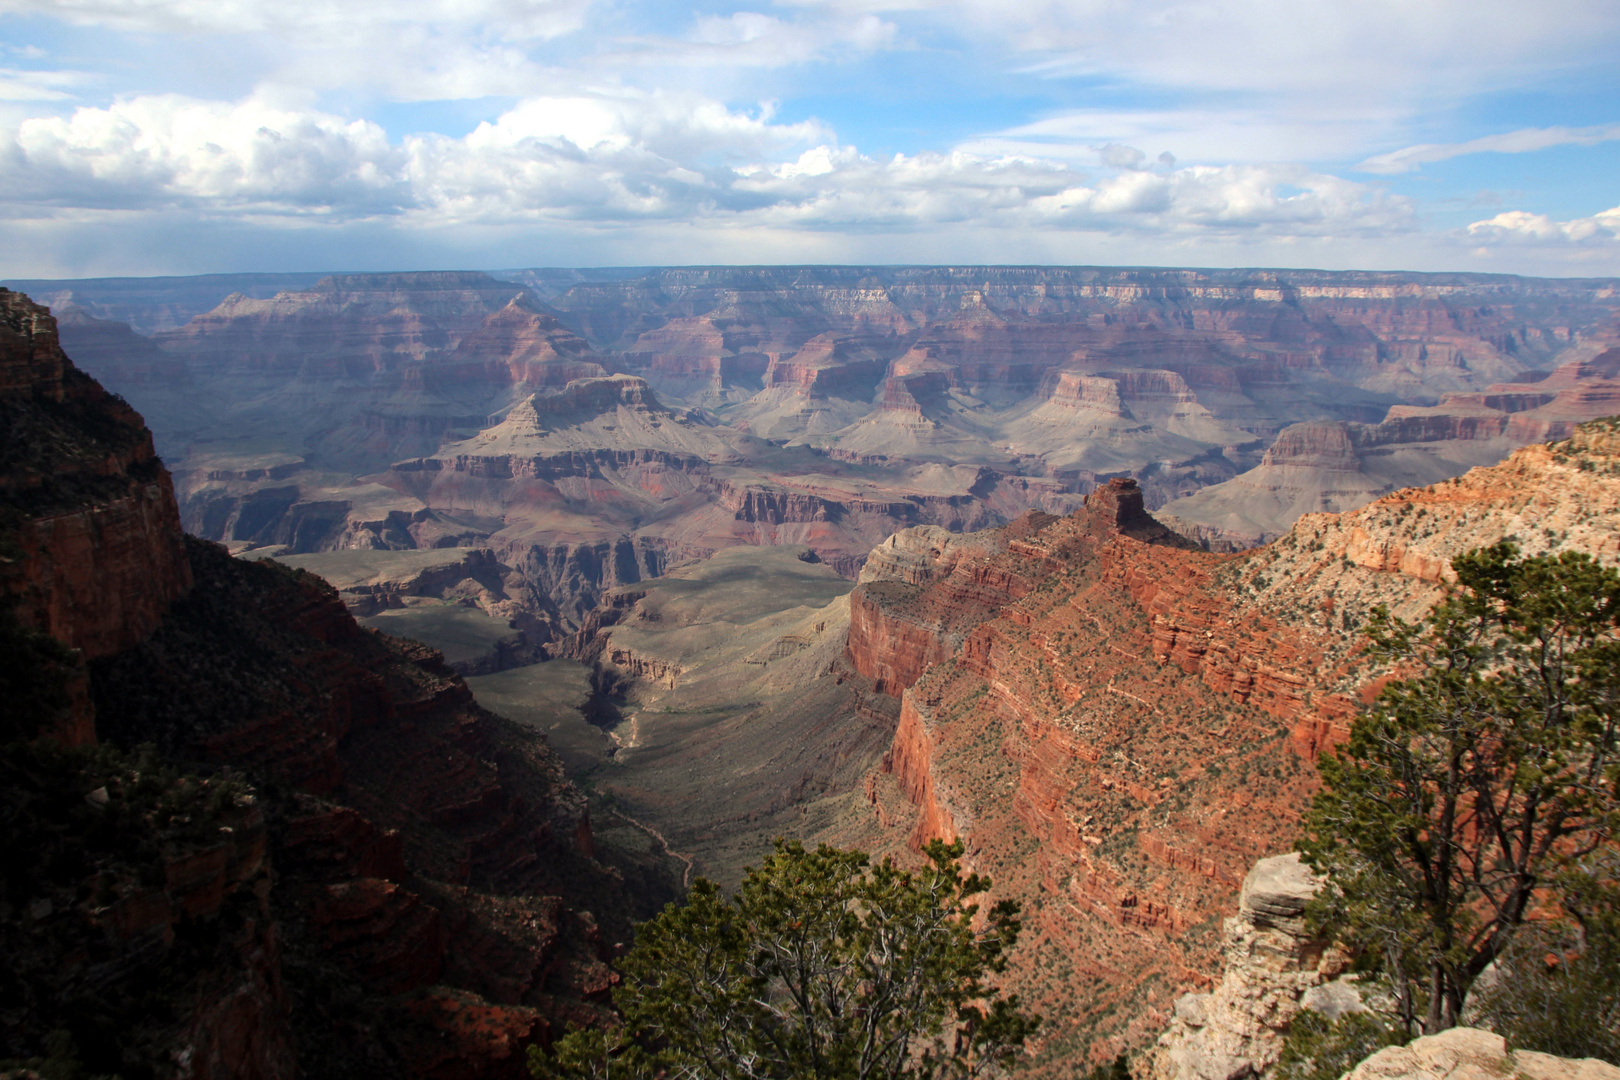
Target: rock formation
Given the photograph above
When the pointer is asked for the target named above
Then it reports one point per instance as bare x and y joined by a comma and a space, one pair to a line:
1318, 466
1469, 1052
1119, 725
95, 557
1271, 968
431, 865
850, 390
733, 715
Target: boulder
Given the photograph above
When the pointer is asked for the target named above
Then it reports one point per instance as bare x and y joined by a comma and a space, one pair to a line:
1471, 1054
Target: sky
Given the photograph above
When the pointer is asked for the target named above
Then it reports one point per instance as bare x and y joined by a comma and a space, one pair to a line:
201, 136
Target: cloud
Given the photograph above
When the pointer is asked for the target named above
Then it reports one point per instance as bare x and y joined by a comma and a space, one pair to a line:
1376, 47
750, 39
315, 20
1525, 140
405, 50
628, 158
16, 85
1262, 131
1117, 156
1521, 227
1262, 80
168, 150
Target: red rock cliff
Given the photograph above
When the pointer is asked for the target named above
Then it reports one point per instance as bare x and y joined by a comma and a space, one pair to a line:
96, 553
1121, 740
416, 837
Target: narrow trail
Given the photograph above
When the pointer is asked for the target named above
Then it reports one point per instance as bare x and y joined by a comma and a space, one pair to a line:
686, 878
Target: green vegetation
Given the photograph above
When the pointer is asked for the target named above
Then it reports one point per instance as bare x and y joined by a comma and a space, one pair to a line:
1119, 1069
1323, 1049
1481, 792
1558, 987
822, 966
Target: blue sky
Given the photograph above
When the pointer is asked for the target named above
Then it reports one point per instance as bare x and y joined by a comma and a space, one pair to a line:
190, 136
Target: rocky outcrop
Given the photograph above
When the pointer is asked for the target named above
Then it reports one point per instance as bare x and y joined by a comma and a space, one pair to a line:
828, 366
774, 506
1335, 467
1272, 968
1073, 725
914, 393
119, 356
347, 325
535, 348
923, 590
827, 387
1398, 550
407, 809
1463, 1052
1120, 741
136, 922
93, 544
418, 841
732, 715
1072, 390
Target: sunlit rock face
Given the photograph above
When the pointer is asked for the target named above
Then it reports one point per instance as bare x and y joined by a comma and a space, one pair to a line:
1119, 725
1271, 969
1463, 1051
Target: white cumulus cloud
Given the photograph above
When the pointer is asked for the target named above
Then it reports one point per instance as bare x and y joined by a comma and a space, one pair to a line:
170, 150
628, 157
1522, 227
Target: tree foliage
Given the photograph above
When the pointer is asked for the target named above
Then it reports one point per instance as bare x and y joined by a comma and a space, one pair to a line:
1472, 790
1557, 988
821, 967
1318, 1048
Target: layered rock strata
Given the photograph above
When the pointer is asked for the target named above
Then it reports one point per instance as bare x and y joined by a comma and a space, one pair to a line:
94, 554
1123, 725
1052, 380
417, 809
733, 716
1334, 467
1469, 1052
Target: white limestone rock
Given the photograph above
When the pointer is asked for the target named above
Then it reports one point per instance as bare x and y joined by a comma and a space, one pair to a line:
1471, 1054
1272, 969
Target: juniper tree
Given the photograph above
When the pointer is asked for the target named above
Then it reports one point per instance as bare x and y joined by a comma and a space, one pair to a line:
822, 966
1475, 786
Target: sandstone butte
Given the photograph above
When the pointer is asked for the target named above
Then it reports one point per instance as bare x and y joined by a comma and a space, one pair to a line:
412, 892
1118, 725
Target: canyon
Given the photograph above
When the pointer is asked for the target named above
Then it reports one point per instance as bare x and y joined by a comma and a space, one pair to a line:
1119, 724
588, 429
1068, 564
